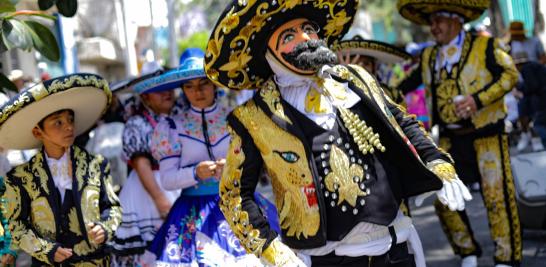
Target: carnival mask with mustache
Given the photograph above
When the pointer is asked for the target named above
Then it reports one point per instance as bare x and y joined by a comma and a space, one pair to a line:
296, 45
310, 55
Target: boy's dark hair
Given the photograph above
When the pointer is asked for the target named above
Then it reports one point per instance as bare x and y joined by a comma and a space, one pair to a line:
41, 122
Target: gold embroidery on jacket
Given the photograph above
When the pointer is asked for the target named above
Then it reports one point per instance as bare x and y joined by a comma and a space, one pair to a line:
271, 97
13, 200
74, 222
230, 195
344, 178
112, 196
445, 93
83, 248
94, 172
347, 75
39, 171
42, 217
278, 254
26, 239
443, 170
285, 160
90, 204
81, 167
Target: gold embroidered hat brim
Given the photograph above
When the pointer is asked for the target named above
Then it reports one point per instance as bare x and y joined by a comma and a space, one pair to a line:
235, 56
87, 95
383, 52
419, 11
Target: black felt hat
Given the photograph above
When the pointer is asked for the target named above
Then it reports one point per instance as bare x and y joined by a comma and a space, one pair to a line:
419, 11
235, 56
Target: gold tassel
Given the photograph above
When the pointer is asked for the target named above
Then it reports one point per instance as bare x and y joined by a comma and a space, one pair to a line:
363, 135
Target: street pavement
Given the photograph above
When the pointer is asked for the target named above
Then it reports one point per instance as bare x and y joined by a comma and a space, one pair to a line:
438, 252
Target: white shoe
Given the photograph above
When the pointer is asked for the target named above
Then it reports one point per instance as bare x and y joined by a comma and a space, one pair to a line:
502, 265
536, 144
524, 140
470, 261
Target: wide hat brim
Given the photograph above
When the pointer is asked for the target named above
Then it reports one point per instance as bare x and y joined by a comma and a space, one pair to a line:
194, 69
88, 95
383, 52
235, 56
518, 32
121, 86
419, 11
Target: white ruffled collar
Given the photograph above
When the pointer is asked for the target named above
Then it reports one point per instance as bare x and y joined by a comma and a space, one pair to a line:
60, 170
294, 89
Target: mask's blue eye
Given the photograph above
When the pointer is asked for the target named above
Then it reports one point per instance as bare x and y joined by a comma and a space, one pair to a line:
288, 156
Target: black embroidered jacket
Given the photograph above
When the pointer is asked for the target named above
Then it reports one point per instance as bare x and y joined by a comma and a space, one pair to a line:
40, 222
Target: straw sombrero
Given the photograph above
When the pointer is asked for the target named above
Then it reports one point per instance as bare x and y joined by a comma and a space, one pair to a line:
383, 52
191, 67
86, 94
419, 11
236, 49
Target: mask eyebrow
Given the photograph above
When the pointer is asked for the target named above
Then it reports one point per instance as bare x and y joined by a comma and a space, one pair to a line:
282, 34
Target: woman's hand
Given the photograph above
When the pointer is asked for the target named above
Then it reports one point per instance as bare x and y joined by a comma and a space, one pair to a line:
163, 205
220, 168
206, 169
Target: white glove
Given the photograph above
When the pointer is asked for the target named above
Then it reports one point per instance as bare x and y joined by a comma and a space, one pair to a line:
453, 193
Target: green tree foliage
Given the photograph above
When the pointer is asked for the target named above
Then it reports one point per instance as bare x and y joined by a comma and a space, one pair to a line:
20, 29
198, 39
387, 12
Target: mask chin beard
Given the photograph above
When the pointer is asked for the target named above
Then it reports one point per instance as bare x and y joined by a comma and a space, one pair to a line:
310, 55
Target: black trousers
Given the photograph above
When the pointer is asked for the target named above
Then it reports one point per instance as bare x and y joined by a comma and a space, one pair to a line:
397, 256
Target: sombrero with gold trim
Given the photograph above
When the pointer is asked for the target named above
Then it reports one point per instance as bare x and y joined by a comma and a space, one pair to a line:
86, 94
235, 56
419, 11
383, 52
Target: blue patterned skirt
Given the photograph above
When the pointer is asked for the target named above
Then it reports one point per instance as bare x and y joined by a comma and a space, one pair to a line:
196, 233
